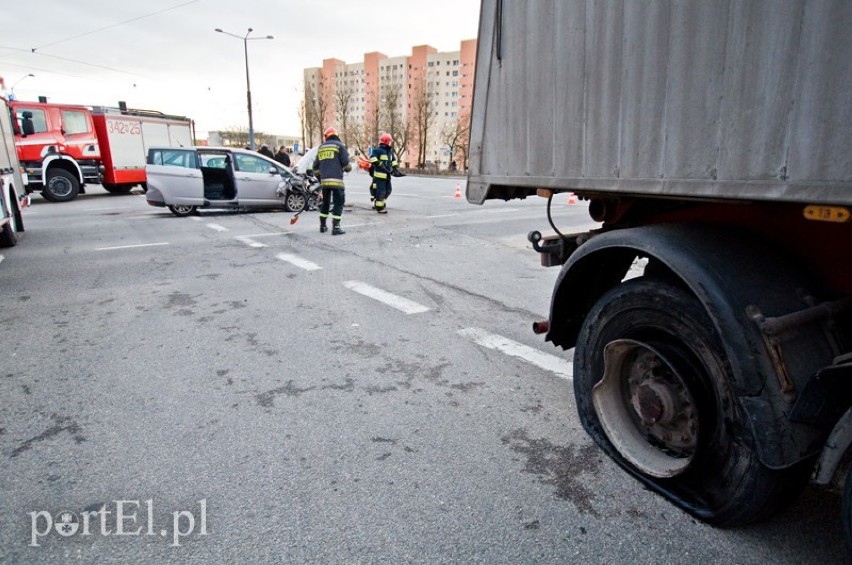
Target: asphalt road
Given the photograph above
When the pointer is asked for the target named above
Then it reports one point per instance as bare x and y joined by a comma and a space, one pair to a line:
255, 391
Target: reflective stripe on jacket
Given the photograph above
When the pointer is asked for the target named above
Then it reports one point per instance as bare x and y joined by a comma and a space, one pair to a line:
331, 161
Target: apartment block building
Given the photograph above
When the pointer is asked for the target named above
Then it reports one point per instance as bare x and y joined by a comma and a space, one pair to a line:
423, 100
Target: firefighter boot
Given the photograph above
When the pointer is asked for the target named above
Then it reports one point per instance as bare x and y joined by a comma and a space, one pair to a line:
323, 227
336, 229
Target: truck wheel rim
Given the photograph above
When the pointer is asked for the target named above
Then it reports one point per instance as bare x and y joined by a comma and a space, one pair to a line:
647, 409
60, 186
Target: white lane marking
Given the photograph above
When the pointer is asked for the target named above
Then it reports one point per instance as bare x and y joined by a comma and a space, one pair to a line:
217, 227
299, 262
195, 218
442, 216
1, 258
499, 211
249, 241
556, 365
130, 246
104, 209
392, 300
265, 234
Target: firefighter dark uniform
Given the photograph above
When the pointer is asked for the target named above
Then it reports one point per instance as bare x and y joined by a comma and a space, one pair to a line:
384, 165
331, 162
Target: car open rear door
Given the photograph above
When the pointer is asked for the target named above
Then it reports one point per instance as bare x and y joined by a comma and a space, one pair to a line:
176, 174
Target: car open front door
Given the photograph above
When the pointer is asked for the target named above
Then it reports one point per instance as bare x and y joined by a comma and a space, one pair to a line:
176, 174
257, 180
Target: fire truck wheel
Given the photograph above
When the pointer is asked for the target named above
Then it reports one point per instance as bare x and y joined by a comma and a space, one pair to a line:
118, 188
654, 389
61, 186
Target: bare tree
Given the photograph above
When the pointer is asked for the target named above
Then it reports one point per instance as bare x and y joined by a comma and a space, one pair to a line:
343, 96
235, 136
309, 123
422, 114
456, 136
393, 120
316, 112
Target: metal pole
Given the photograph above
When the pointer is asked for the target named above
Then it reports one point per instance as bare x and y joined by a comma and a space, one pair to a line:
245, 39
248, 94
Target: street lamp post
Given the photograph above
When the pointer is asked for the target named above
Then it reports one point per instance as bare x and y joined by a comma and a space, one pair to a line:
246, 39
12, 89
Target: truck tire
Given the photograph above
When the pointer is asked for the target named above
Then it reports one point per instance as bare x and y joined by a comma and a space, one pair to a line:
8, 237
653, 389
118, 188
847, 511
61, 186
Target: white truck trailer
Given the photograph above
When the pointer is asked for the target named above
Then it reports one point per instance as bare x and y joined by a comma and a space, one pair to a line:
712, 142
13, 195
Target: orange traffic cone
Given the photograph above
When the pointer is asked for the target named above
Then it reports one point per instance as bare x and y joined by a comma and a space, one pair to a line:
572, 198
458, 191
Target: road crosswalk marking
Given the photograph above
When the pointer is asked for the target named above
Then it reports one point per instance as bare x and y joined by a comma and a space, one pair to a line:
402, 304
556, 365
298, 262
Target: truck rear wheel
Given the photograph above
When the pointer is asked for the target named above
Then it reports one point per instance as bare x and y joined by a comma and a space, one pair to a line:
8, 235
653, 389
847, 511
118, 188
61, 186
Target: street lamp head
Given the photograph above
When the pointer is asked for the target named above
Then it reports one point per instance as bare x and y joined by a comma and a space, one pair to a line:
269, 37
219, 30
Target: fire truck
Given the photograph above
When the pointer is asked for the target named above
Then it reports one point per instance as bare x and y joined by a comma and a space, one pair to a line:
63, 147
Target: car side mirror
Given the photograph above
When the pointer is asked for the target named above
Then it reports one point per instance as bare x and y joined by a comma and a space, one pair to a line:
273, 171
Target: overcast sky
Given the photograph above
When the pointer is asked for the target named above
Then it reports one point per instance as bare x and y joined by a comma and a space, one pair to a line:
165, 55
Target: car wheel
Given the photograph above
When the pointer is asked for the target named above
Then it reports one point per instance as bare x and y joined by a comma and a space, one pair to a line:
61, 186
183, 210
654, 389
295, 202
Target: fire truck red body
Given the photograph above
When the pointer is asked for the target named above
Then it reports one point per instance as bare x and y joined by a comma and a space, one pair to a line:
63, 147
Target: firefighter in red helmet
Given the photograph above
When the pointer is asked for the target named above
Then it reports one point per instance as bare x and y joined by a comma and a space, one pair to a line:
384, 166
331, 162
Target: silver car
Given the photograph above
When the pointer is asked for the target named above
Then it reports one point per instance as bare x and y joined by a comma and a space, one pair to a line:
188, 178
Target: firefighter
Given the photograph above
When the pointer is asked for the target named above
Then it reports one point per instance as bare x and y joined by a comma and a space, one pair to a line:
384, 166
331, 162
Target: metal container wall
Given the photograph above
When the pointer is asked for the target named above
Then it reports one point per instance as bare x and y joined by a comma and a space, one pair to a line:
719, 99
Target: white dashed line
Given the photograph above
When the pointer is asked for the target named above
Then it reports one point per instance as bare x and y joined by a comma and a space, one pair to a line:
392, 300
1, 258
249, 241
195, 218
130, 246
217, 227
442, 216
266, 234
299, 262
556, 365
